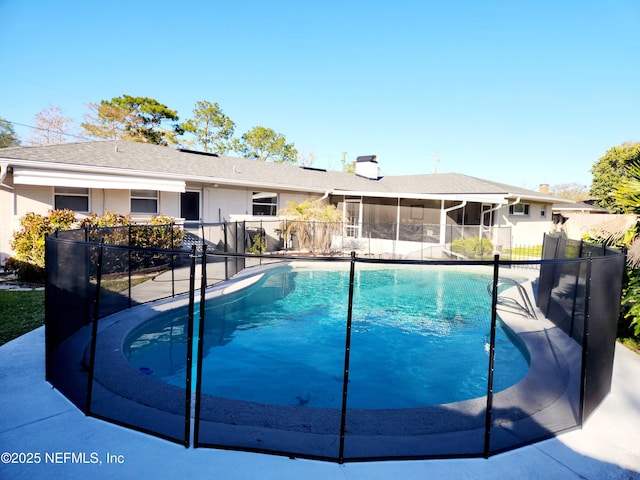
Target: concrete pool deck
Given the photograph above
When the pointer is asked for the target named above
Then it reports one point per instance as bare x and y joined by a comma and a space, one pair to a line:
37, 422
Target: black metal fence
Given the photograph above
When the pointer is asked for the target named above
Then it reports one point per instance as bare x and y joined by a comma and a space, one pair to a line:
373, 240
163, 301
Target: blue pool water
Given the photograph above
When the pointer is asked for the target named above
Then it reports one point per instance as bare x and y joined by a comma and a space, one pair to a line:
420, 337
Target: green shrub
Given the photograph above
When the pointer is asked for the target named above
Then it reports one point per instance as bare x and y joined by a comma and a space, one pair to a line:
109, 219
258, 245
25, 271
28, 242
472, 247
629, 324
117, 229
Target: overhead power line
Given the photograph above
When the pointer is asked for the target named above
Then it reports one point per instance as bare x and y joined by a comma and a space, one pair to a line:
57, 132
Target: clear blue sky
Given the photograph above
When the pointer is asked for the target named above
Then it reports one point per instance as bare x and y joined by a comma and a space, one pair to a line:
518, 92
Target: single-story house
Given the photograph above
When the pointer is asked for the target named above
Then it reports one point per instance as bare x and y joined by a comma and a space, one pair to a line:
144, 180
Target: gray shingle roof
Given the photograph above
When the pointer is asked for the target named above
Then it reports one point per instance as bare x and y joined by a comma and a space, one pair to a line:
579, 206
153, 159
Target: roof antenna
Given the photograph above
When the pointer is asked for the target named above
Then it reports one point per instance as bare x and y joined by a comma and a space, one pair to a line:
436, 159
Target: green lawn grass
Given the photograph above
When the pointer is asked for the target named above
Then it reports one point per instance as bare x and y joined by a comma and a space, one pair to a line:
529, 251
20, 312
23, 311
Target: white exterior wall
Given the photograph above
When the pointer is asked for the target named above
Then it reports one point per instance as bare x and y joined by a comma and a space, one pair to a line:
6, 222
220, 203
526, 229
236, 204
113, 200
16, 201
169, 204
28, 198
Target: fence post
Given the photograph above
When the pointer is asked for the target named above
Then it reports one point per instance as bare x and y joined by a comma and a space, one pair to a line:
129, 266
225, 226
196, 428
190, 317
94, 329
492, 352
263, 243
87, 277
173, 279
313, 236
235, 248
347, 353
585, 340
202, 231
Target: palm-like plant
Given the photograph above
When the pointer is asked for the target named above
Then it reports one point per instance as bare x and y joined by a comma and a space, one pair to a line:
627, 195
313, 222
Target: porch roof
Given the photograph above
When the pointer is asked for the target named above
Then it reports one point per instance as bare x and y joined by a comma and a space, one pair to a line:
482, 198
27, 176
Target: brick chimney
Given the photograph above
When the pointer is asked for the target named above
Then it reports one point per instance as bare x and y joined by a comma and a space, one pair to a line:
544, 188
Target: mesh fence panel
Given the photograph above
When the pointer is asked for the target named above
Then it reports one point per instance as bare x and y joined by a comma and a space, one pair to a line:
546, 401
234, 243
589, 249
68, 312
127, 388
604, 309
288, 399
383, 231
153, 274
562, 291
418, 370
547, 273
79, 235
266, 380
265, 236
114, 288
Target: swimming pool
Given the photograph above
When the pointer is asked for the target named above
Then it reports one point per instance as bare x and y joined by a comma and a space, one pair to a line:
419, 338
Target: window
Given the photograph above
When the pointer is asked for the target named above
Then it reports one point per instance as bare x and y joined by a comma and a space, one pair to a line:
265, 203
543, 211
144, 201
76, 199
519, 209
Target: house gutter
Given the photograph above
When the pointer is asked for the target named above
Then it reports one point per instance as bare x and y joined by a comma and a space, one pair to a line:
443, 219
4, 168
517, 200
325, 196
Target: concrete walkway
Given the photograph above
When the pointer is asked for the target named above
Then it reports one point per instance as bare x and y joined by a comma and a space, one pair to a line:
39, 425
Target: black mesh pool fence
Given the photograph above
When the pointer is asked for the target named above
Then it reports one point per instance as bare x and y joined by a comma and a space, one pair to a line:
105, 300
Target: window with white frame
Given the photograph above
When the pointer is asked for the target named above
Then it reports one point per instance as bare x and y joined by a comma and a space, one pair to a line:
72, 198
543, 211
265, 203
519, 209
144, 201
